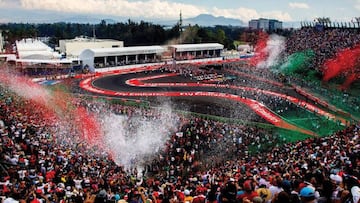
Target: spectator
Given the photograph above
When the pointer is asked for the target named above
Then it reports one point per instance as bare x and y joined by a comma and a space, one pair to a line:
228, 193
249, 191
307, 195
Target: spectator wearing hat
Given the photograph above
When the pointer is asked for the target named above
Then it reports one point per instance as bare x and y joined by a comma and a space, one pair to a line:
337, 186
307, 195
188, 198
114, 198
200, 197
264, 193
312, 184
228, 193
355, 193
101, 196
249, 191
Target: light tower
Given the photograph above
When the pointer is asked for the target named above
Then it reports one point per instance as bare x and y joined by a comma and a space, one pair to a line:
180, 23
94, 34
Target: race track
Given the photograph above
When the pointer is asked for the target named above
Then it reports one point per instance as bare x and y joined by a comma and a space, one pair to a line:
149, 82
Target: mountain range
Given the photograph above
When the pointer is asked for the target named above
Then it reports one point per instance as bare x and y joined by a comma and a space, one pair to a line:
34, 16
205, 20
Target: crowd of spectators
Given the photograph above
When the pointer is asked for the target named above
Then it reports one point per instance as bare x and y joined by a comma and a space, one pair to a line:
189, 70
209, 162
325, 42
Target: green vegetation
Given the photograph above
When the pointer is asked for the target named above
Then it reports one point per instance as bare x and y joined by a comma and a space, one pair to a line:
132, 33
318, 124
346, 101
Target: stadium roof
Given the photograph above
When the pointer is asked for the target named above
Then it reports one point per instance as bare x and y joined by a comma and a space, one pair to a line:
119, 51
8, 57
38, 55
37, 61
88, 39
35, 49
197, 47
31, 45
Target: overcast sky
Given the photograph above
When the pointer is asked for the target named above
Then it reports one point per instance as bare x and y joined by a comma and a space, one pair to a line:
284, 10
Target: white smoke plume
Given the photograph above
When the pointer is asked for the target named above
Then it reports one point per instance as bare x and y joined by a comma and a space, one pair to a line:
275, 47
134, 139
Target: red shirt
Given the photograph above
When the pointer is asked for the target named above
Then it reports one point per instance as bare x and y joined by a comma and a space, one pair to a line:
249, 196
199, 199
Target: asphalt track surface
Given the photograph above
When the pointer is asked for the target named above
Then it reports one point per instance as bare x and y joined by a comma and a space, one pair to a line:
203, 105
148, 83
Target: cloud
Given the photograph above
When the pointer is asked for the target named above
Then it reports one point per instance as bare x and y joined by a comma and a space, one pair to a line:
244, 14
145, 9
295, 5
278, 15
357, 4
154, 9
9, 3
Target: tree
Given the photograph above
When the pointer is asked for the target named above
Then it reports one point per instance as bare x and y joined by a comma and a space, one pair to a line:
220, 36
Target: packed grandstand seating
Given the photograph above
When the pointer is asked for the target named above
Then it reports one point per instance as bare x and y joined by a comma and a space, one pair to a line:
34, 165
37, 164
325, 43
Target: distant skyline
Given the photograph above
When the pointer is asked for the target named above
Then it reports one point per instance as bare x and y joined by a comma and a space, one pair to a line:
38, 11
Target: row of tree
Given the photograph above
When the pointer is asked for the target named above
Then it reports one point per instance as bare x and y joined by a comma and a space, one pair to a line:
132, 33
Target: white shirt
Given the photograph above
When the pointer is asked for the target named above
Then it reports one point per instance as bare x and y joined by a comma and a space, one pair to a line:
10, 200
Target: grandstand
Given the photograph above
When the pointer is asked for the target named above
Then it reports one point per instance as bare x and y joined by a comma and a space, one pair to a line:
112, 57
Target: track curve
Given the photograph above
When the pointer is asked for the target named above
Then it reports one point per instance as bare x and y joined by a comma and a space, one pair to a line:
147, 86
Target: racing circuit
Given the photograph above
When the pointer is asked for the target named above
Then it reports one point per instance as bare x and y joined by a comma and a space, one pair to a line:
149, 82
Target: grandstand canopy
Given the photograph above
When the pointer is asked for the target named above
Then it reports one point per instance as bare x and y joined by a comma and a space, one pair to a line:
121, 51
197, 47
46, 55
31, 45
37, 61
8, 57
89, 56
35, 49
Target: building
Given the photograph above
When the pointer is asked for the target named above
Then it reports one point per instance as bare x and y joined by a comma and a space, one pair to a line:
265, 24
196, 51
32, 48
111, 57
73, 47
34, 58
100, 58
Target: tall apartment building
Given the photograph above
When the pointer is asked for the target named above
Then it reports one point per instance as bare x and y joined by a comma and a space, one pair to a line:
265, 24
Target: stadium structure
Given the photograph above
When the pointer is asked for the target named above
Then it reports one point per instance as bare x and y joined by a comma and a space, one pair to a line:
98, 55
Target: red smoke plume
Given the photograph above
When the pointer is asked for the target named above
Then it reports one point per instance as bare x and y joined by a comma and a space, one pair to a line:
260, 52
346, 62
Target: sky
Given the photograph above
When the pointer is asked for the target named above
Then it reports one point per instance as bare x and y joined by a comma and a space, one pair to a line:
35, 11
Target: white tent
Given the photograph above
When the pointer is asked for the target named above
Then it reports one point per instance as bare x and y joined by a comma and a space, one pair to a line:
197, 47
35, 49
